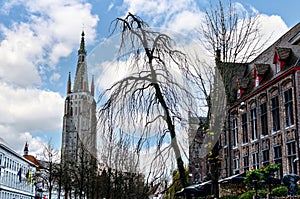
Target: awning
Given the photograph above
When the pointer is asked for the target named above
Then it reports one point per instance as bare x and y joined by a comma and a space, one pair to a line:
233, 179
199, 190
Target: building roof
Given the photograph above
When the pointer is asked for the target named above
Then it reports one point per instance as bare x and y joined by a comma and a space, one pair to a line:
81, 76
33, 160
284, 49
283, 53
5, 145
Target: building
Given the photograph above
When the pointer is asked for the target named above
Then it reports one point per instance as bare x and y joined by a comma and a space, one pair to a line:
198, 165
16, 174
262, 126
79, 120
39, 175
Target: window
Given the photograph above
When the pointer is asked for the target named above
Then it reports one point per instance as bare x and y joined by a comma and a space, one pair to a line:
236, 165
291, 153
277, 152
246, 162
255, 160
253, 124
256, 81
278, 159
264, 118
277, 66
275, 113
244, 128
265, 157
257, 78
225, 138
235, 132
288, 105
239, 93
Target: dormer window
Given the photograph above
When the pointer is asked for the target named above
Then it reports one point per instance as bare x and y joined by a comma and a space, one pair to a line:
241, 85
281, 56
257, 78
260, 71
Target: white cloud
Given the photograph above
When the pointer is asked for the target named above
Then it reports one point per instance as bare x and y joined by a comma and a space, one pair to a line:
178, 15
111, 5
30, 109
50, 30
186, 21
55, 77
38, 35
18, 52
272, 26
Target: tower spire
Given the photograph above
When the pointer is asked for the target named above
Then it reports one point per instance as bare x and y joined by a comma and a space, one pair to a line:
93, 86
69, 84
26, 149
82, 45
81, 77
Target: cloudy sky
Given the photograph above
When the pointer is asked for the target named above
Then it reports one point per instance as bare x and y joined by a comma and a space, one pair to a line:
39, 40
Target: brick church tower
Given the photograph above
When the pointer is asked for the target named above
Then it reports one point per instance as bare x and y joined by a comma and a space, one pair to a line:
79, 120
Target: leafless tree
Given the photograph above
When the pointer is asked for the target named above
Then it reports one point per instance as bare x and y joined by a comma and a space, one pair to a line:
153, 100
235, 32
233, 37
49, 172
120, 170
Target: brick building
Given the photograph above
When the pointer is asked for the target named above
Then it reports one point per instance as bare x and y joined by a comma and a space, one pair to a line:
264, 107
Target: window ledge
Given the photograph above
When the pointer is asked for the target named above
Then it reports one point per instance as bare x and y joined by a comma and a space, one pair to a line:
254, 140
274, 132
264, 136
288, 127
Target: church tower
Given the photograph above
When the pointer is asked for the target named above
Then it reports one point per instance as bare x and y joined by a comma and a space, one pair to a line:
79, 120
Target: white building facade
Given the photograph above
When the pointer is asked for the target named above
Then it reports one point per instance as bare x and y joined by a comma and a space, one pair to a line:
16, 174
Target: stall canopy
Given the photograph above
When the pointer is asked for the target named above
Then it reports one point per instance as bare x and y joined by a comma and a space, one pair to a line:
197, 190
238, 178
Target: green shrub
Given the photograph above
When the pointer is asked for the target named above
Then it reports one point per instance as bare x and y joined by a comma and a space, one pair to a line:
249, 194
229, 197
298, 190
262, 193
280, 191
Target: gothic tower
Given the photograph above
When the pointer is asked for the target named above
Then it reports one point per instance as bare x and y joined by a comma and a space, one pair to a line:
79, 120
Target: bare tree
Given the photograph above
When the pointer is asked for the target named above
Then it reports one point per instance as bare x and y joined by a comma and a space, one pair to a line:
153, 99
49, 172
233, 37
235, 32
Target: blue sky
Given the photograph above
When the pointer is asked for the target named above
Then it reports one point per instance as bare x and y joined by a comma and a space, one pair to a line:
40, 39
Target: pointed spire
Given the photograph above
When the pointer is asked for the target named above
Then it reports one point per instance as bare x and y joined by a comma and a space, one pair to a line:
93, 86
26, 149
82, 45
69, 84
81, 76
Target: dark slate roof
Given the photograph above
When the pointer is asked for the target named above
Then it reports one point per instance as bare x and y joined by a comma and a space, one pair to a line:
283, 53
262, 69
243, 83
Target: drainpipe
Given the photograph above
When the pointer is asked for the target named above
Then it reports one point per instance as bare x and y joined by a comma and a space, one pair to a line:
296, 117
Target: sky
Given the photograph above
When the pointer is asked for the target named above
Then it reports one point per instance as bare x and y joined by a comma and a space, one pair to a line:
39, 40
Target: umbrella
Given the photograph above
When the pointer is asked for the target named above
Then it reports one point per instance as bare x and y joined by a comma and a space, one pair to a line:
290, 180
